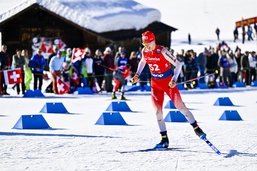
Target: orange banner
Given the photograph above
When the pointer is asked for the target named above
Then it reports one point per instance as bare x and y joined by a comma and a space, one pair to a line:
245, 22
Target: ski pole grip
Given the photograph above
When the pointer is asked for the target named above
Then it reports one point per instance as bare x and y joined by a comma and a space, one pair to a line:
134, 79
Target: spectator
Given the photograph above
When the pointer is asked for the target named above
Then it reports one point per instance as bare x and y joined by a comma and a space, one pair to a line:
212, 67
67, 69
189, 38
108, 62
253, 64
245, 67
235, 32
217, 31
238, 56
55, 49
88, 63
37, 63
50, 86
67, 65
243, 34
255, 29
18, 61
98, 69
118, 53
27, 69
202, 60
249, 33
145, 76
138, 53
191, 69
233, 68
56, 68
224, 68
181, 56
78, 71
133, 63
5, 63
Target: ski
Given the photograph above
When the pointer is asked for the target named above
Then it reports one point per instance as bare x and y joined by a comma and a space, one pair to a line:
211, 145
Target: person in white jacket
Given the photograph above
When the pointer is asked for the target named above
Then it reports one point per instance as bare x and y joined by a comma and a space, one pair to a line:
233, 67
56, 69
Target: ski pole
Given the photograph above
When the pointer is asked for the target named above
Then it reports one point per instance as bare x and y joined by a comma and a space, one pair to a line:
109, 68
196, 78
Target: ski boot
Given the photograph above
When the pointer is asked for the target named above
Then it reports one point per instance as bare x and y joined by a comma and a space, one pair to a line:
164, 141
122, 97
198, 131
114, 96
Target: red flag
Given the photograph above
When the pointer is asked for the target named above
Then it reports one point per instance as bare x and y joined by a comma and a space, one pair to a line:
126, 72
13, 76
62, 87
77, 54
75, 77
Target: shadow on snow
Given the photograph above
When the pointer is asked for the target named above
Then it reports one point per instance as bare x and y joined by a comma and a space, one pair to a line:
233, 153
54, 135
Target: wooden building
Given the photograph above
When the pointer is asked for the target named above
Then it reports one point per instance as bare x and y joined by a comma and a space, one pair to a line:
18, 27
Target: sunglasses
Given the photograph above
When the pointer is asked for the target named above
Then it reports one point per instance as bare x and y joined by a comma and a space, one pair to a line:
146, 44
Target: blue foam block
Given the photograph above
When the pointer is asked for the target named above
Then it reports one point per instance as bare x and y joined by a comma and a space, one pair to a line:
146, 88
180, 86
134, 88
203, 86
254, 84
35, 93
175, 116
84, 90
54, 107
119, 106
138, 87
111, 118
170, 105
223, 86
31, 122
223, 101
238, 84
231, 115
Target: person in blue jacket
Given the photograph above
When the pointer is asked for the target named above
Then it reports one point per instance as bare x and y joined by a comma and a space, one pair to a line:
37, 63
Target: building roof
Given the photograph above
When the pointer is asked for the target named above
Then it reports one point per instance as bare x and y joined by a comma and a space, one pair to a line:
96, 15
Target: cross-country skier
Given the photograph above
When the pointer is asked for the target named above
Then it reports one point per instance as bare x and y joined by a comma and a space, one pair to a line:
160, 62
120, 74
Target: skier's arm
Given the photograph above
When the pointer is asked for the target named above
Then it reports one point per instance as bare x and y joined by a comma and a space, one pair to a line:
141, 65
140, 68
176, 62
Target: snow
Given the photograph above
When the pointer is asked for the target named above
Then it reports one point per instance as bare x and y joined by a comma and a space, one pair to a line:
99, 16
76, 143
200, 18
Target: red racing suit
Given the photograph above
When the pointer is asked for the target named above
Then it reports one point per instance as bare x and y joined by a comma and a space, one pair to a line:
160, 62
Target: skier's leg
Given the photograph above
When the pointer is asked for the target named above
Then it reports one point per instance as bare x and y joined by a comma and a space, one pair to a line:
115, 88
175, 96
157, 100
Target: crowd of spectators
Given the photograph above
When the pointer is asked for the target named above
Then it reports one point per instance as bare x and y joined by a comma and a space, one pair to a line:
218, 66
